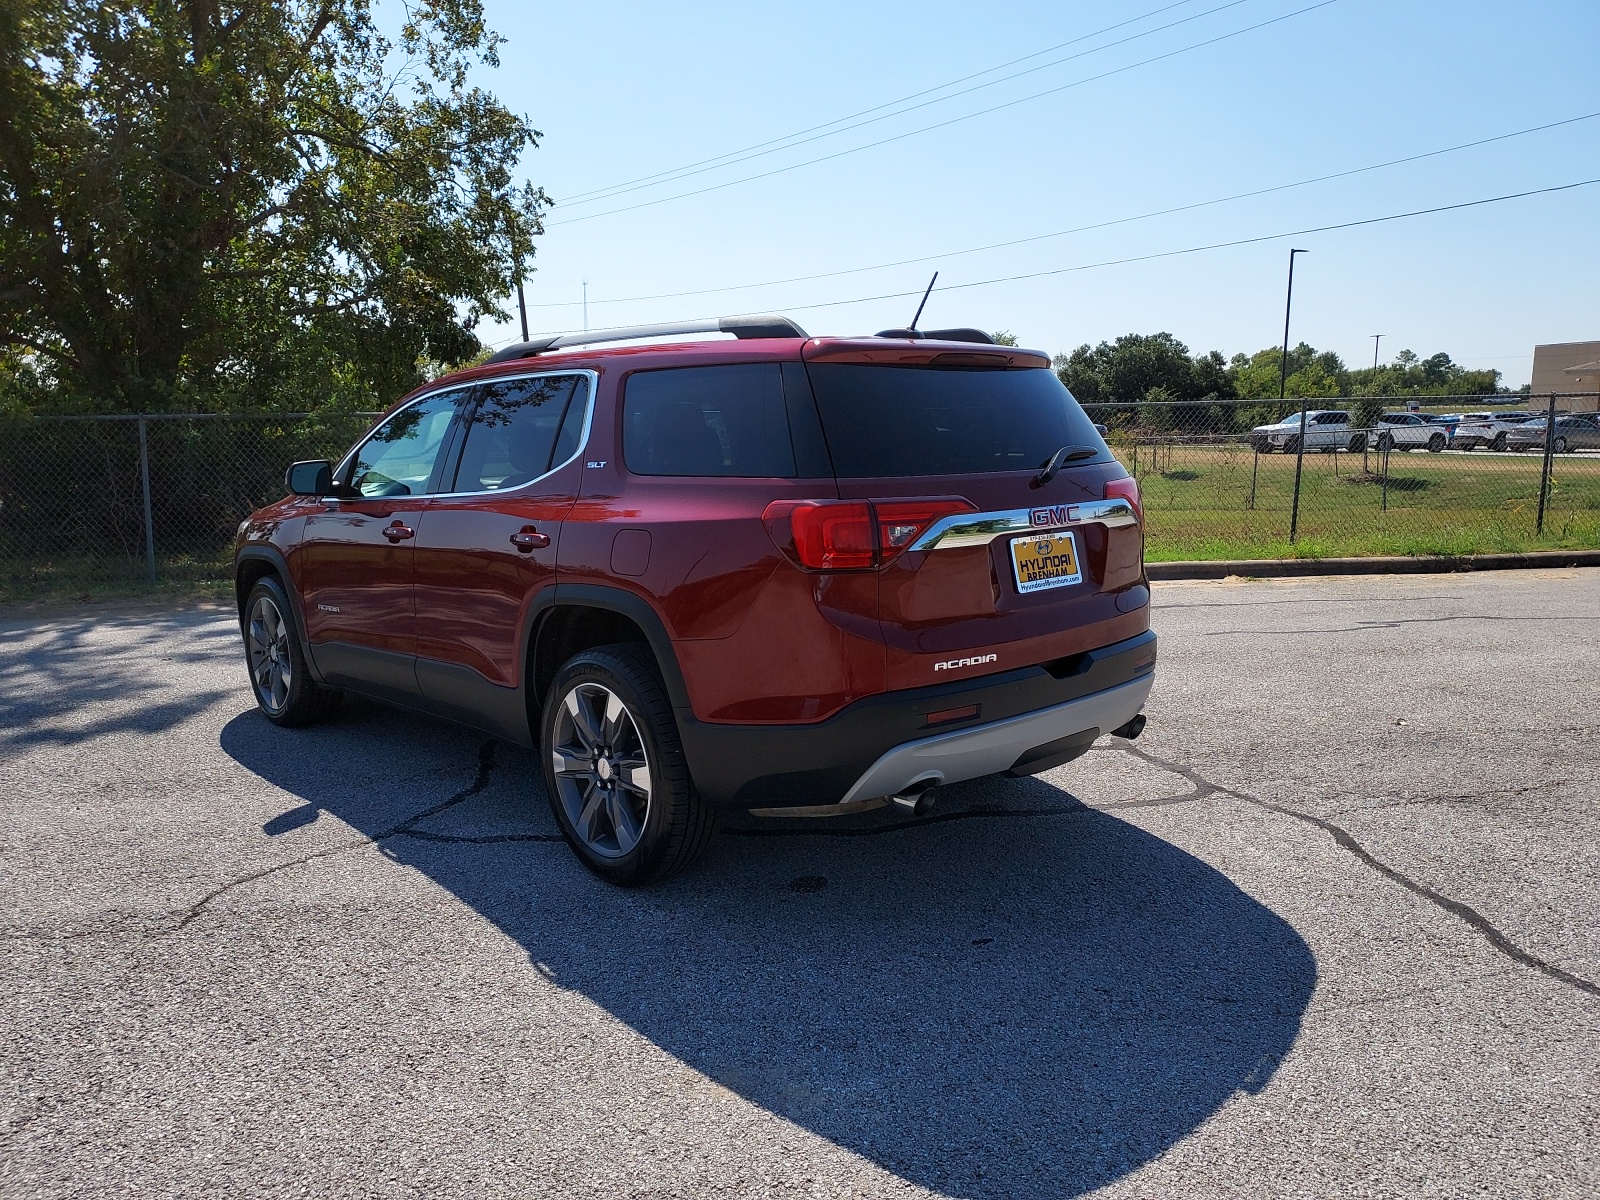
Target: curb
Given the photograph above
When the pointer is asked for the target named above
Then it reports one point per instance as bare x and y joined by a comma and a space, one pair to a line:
1279, 568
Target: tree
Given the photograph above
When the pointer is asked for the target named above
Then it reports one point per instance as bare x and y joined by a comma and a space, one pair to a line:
257, 202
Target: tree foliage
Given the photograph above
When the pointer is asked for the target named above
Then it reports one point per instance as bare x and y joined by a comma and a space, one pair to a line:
260, 203
1174, 390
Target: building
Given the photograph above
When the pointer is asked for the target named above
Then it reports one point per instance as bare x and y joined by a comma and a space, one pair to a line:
1569, 367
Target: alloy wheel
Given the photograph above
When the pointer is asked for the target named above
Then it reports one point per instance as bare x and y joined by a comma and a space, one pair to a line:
602, 771
271, 669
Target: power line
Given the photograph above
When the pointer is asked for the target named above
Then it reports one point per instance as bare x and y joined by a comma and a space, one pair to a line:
877, 107
1139, 258
611, 212
797, 139
1394, 162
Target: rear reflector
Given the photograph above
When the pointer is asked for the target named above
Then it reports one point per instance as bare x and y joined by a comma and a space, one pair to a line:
852, 535
946, 715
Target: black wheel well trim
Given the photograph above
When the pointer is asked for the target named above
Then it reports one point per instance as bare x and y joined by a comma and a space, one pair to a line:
629, 605
279, 566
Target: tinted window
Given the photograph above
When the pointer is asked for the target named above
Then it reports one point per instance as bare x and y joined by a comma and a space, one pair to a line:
726, 420
520, 429
398, 458
896, 421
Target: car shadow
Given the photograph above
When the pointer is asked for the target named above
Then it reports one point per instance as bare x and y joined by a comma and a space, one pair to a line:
1027, 998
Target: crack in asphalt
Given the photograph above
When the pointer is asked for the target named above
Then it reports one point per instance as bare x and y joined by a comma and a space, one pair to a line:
1345, 841
479, 781
189, 914
1397, 623
1376, 804
489, 839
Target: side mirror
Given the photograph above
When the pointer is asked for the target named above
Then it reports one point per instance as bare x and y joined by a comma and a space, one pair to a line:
312, 478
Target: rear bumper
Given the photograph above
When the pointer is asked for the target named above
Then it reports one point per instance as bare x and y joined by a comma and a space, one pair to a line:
1026, 744
1026, 720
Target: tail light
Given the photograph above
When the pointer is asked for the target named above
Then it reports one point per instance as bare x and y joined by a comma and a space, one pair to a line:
1125, 489
852, 535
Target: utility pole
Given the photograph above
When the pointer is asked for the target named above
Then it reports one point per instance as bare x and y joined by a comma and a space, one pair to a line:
1375, 339
586, 306
516, 253
1283, 365
1283, 383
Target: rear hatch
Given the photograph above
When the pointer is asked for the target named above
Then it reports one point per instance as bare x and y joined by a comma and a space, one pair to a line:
952, 437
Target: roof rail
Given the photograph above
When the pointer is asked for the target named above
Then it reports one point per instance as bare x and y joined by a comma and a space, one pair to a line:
939, 335
766, 325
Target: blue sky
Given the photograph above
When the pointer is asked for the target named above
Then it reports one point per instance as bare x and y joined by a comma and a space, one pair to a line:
626, 90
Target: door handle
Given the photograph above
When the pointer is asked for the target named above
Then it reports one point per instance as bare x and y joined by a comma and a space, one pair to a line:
398, 532
528, 539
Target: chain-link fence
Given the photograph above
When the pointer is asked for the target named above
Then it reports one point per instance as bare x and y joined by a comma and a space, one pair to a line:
96, 501
1460, 476
87, 502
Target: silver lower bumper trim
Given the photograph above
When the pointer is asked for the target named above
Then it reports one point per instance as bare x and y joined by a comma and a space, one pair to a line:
990, 749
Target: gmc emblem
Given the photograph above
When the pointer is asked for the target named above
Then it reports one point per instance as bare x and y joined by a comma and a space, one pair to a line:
1060, 514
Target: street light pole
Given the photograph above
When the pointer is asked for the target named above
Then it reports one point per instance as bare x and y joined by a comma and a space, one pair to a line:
1283, 383
1375, 339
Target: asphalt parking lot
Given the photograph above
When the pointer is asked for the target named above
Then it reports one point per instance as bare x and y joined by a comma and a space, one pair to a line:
1329, 928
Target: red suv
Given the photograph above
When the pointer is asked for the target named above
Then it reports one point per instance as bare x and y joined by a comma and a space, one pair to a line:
766, 572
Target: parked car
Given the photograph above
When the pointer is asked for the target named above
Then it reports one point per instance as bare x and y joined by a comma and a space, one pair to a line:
1571, 433
775, 572
1490, 430
1326, 430
1408, 431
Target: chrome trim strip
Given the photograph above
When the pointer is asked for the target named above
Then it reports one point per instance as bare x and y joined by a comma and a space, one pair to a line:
979, 529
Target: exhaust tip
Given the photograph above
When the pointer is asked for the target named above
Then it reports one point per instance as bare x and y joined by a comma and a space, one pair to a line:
1132, 729
916, 799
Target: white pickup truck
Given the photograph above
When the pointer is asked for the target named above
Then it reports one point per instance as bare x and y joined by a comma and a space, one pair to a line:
1327, 429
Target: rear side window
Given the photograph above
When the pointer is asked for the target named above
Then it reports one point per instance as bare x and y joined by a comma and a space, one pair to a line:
520, 430
883, 421
717, 420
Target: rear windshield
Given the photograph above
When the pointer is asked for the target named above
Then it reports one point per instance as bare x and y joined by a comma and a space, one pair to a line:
896, 421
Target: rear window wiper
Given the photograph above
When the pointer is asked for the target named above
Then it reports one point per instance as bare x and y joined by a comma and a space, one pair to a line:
1059, 459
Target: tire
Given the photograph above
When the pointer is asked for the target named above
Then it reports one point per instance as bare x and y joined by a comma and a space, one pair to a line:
615, 772
1436, 443
1385, 443
1499, 443
1358, 443
1262, 447
279, 679
1559, 445
1291, 445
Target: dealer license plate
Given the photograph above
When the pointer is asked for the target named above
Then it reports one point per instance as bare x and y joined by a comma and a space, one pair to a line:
1047, 560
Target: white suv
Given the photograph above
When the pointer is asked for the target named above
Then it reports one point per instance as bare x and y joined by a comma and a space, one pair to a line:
1489, 430
1326, 429
1408, 431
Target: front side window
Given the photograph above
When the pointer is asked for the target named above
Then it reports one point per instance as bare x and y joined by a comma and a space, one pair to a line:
719, 420
521, 429
398, 459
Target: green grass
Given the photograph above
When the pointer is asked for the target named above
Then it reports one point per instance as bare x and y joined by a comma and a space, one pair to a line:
1198, 504
51, 581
